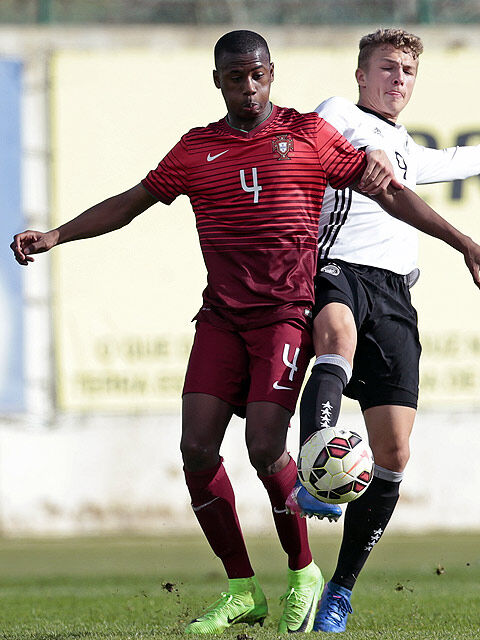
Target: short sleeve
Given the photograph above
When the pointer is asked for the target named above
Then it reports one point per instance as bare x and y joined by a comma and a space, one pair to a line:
169, 179
342, 163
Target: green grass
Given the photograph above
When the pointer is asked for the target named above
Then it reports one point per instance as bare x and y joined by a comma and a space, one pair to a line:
414, 587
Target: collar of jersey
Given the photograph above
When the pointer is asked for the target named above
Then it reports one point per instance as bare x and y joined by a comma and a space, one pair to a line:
251, 134
374, 113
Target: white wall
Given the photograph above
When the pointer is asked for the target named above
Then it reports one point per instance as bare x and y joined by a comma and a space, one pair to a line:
99, 473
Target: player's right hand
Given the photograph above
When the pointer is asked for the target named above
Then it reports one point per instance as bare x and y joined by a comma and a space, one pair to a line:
378, 175
29, 242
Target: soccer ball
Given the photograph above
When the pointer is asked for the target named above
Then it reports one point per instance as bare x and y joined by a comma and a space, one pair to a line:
335, 465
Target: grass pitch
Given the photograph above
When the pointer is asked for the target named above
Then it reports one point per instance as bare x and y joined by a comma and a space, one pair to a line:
414, 587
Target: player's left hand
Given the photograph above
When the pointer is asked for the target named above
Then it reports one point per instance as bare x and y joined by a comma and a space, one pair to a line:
378, 175
471, 255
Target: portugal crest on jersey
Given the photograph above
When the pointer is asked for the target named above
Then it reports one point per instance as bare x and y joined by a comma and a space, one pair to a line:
282, 145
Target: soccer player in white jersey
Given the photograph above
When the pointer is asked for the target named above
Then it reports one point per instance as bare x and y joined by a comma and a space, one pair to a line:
365, 329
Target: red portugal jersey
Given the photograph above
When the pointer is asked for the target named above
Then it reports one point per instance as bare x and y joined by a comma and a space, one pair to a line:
257, 197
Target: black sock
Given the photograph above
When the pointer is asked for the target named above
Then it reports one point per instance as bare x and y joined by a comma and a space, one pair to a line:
321, 399
365, 521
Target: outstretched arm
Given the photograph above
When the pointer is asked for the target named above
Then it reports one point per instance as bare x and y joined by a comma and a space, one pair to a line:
106, 216
444, 165
407, 206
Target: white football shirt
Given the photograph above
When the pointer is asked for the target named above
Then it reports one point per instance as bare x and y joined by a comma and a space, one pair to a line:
356, 229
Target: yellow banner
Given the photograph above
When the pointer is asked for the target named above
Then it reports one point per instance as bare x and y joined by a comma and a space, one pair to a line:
123, 302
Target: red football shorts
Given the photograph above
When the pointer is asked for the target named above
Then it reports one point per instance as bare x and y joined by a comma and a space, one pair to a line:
267, 364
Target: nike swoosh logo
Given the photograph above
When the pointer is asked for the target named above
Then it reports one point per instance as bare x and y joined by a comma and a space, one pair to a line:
233, 620
304, 624
210, 157
202, 506
279, 386
275, 510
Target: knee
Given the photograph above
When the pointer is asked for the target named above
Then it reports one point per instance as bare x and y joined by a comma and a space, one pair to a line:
264, 455
196, 455
394, 457
260, 456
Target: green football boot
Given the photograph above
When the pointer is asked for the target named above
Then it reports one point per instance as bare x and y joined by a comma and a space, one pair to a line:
243, 602
301, 600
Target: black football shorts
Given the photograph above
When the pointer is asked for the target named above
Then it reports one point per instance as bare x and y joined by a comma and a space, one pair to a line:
385, 366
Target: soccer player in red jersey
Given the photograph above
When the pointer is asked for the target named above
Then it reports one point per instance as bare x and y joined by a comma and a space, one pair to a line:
256, 181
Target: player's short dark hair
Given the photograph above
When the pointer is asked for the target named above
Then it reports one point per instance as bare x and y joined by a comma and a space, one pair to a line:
241, 41
398, 38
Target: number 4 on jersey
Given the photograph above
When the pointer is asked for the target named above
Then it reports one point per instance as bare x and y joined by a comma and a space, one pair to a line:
293, 364
255, 188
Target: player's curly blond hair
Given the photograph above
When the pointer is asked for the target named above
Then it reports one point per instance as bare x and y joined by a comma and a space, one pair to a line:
398, 38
